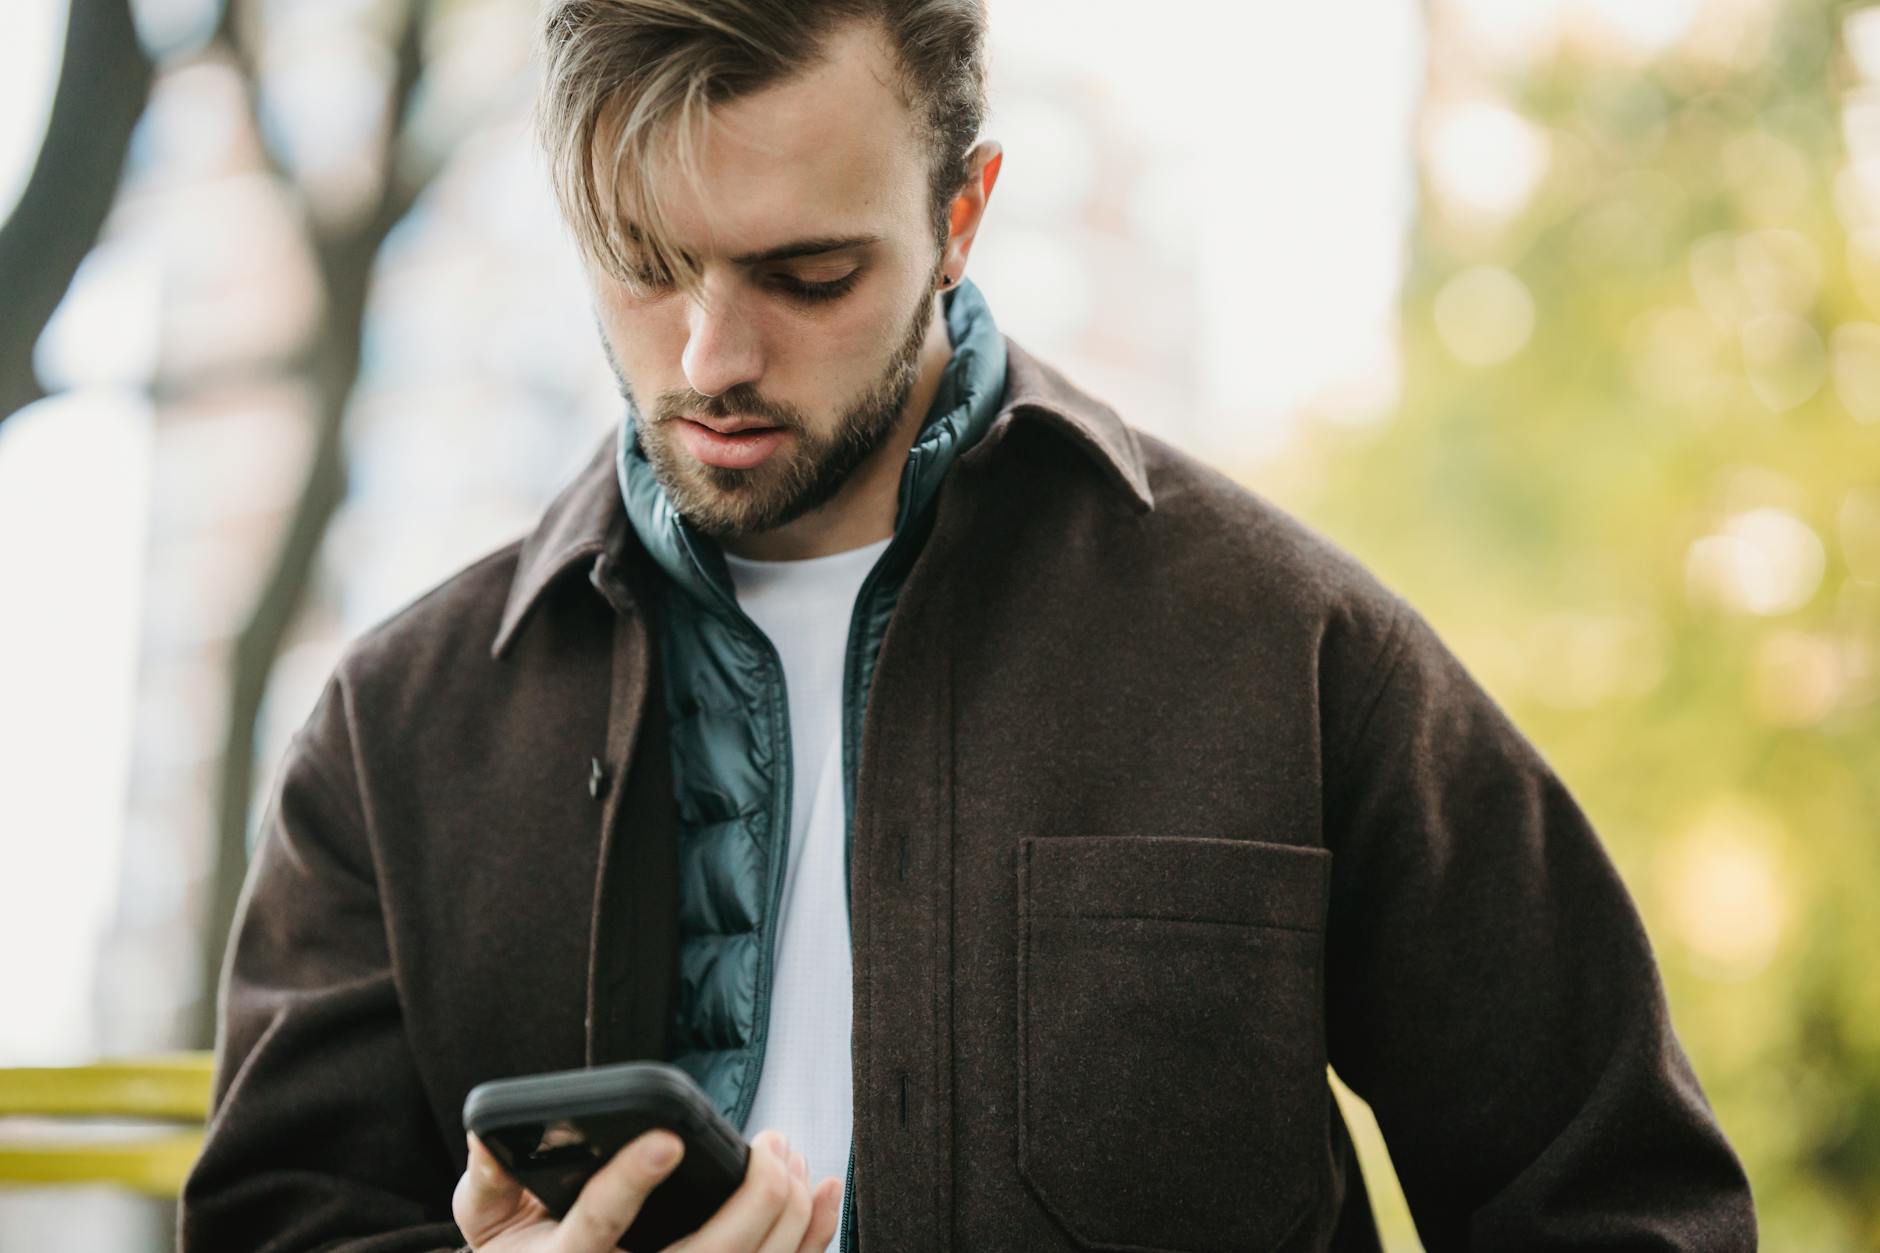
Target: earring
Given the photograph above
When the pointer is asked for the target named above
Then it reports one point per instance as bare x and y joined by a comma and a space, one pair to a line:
948, 282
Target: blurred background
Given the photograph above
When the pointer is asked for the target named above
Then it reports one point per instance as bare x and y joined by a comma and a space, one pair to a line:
1562, 315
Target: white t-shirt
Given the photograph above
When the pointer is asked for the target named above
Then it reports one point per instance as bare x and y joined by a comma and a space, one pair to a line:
803, 1090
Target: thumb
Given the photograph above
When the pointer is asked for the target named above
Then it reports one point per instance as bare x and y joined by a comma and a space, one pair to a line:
488, 1198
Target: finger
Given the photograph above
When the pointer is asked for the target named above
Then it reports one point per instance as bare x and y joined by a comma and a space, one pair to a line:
825, 1213
611, 1199
747, 1220
486, 1170
488, 1199
786, 1233
799, 1167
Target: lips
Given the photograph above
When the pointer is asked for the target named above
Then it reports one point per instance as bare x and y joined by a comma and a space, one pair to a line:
730, 444
731, 426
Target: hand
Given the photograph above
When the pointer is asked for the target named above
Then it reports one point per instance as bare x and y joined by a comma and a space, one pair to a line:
773, 1210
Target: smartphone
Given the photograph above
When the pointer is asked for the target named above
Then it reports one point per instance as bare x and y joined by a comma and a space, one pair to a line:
553, 1131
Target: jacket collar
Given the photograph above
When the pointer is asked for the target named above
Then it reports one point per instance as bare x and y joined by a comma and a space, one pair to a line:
1034, 390
587, 519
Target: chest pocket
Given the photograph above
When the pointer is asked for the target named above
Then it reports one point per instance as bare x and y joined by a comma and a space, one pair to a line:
1172, 1092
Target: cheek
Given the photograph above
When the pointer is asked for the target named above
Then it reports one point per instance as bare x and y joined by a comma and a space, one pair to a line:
648, 343
824, 359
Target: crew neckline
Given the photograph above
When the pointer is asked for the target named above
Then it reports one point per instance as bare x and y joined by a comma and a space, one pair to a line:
803, 563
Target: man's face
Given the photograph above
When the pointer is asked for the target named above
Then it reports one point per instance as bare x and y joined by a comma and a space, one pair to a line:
811, 223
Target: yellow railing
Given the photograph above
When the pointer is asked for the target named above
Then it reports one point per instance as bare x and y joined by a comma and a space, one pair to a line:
58, 1124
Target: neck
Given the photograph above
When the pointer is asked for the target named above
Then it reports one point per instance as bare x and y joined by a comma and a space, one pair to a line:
862, 510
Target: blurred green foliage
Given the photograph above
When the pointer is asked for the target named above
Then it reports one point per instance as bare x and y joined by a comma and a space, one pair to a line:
1651, 528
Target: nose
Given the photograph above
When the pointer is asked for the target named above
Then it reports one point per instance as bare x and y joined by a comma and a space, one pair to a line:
722, 347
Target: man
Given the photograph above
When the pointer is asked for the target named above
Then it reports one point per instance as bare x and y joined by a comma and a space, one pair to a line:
1003, 809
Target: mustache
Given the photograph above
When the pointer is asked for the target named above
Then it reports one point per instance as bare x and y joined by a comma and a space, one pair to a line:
741, 401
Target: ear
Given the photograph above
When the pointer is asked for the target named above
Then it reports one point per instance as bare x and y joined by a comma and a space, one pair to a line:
969, 207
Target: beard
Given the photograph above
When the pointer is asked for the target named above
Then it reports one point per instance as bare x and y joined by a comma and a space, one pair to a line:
723, 502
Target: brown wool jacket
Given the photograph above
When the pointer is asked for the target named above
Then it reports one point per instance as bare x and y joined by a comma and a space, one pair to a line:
1164, 804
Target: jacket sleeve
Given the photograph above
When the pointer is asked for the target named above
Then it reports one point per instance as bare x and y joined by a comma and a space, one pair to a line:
1490, 989
319, 1133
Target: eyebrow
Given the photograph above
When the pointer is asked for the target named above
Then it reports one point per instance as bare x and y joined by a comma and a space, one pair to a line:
806, 248
815, 247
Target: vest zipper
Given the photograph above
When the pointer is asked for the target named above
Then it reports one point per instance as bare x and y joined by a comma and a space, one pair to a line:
845, 1237
779, 860
852, 667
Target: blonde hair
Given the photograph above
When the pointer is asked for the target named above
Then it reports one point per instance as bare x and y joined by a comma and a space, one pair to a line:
642, 73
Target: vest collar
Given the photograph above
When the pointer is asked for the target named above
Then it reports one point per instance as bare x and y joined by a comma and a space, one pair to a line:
964, 405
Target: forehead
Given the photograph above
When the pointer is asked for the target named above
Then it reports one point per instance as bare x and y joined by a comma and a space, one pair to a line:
830, 151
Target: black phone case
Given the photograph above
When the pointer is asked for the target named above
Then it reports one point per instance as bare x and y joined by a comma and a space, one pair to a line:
552, 1131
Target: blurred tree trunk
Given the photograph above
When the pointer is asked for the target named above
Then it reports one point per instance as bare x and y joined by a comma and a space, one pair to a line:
104, 81
345, 252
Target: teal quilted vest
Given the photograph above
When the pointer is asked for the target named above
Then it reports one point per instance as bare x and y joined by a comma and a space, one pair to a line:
730, 728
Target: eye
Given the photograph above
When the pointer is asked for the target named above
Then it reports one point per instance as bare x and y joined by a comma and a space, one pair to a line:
645, 276
644, 282
808, 292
